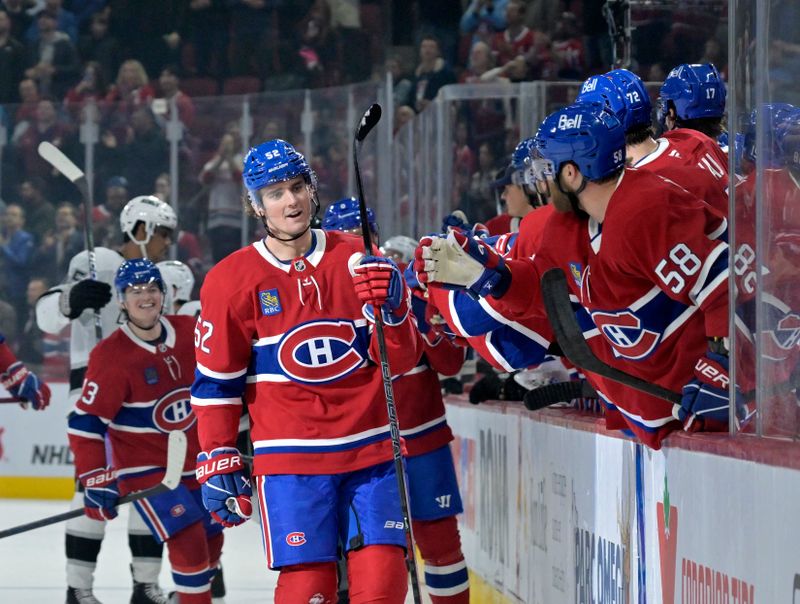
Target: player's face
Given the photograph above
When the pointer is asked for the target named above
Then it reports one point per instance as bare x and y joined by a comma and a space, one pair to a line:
143, 304
159, 243
286, 206
516, 200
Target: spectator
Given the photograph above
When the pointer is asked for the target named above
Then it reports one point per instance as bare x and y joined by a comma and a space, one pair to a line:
16, 252
20, 19
145, 151
568, 48
319, 47
439, 19
99, 45
431, 74
401, 84
481, 65
483, 18
480, 197
47, 126
222, 174
105, 216
38, 209
12, 60
65, 22
516, 39
169, 87
8, 321
29, 96
52, 59
131, 89
60, 244
92, 87
30, 344
464, 162
207, 23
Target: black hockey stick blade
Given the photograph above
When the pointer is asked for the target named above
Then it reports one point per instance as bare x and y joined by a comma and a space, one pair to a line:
368, 121
176, 457
570, 337
561, 392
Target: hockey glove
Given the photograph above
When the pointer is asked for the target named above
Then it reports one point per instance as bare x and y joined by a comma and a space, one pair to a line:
89, 293
225, 486
100, 494
378, 281
705, 403
458, 261
25, 384
457, 221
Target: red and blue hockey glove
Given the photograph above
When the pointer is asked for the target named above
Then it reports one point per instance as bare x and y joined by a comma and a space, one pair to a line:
461, 262
225, 486
25, 384
705, 403
378, 281
100, 494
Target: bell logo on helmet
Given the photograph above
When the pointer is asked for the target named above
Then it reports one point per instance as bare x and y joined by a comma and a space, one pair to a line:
569, 123
589, 85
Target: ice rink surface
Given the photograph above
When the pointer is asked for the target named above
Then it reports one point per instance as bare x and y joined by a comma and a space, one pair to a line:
32, 564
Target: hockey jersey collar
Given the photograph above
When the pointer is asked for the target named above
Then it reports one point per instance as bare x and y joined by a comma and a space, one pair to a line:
313, 255
169, 340
662, 144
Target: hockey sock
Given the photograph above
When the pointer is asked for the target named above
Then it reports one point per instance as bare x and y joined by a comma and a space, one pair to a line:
315, 582
83, 539
215, 549
377, 575
188, 555
446, 575
146, 552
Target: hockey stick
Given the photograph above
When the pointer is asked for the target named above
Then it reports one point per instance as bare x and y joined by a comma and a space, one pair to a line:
56, 158
12, 399
368, 121
570, 338
176, 457
561, 392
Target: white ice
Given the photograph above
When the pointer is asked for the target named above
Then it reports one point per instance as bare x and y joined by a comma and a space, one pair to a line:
32, 564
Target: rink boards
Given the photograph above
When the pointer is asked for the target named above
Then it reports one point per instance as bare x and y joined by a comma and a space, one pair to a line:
558, 511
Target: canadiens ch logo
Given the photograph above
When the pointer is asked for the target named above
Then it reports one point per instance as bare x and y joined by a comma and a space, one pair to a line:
625, 333
173, 411
295, 539
787, 332
319, 351
270, 302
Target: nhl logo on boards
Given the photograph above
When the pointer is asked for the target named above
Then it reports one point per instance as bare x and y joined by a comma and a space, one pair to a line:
177, 510
270, 302
569, 123
296, 539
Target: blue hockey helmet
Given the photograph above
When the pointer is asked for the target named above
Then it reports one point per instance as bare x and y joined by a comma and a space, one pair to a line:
585, 134
638, 109
600, 89
788, 138
521, 163
696, 91
773, 115
272, 162
139, 271
345, 215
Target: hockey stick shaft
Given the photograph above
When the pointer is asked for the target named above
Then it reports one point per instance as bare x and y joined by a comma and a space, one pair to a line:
570, 338
367, 123
12, 399
56, 158
561, 392
176, 456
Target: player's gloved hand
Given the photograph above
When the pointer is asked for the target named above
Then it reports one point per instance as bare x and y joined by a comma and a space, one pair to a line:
378, 282
705, 401
458, 261
457, 220
225, 486
77, 297
22, 383
100, 494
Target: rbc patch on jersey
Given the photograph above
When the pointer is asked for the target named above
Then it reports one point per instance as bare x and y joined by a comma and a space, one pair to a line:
575, 269
150, 375
270, 302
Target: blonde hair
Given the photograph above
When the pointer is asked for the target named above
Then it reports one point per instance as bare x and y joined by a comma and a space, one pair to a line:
140, 73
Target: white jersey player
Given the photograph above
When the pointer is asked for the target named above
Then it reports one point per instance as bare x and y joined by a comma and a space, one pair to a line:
147, 224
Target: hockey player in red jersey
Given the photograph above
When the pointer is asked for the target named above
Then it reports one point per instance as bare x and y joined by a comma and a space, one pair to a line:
433, 488
657, 300
137, 391
286, 327
20, 381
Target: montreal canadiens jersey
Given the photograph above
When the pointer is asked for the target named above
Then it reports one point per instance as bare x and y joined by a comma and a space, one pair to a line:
293, 341
82, 332
135, 393
653, 279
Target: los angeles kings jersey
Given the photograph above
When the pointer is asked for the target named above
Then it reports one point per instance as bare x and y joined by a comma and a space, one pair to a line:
653, 279
135, 394
292, 341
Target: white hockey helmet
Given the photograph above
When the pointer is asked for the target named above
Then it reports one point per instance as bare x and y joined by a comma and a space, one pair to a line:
402, 245
150, 210
179, 279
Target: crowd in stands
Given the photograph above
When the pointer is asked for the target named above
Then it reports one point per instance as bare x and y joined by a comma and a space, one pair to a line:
136, 61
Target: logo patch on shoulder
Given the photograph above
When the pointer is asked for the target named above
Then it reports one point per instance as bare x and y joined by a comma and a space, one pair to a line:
575, 269
151, 375
296, 539
270, 302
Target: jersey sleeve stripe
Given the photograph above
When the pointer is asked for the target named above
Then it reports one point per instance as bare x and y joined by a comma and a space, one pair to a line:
87, 423
321, 445
210, 402
649, 425
425, 428
220, 375
496, 353
135, 429
84, 434
713, 273
529, 333
717, 233
209, 387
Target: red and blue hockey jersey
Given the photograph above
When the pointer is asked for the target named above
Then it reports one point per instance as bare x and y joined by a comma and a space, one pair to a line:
292, 340
653, 279
135, 393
